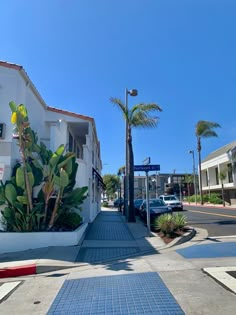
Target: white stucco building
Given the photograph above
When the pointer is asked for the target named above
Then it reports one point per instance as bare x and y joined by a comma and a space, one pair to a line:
221, 160
54, 127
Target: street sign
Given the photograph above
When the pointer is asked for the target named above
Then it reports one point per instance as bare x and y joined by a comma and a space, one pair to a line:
146, 168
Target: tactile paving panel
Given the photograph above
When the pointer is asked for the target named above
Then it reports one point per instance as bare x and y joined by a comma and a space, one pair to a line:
109, 231
101, 254
131, 294
209, 250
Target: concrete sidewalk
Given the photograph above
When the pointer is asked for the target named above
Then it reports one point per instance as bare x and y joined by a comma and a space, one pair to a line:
123, 240
119, 270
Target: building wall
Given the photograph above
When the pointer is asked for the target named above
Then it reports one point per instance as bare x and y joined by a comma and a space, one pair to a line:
52, 129
210, 184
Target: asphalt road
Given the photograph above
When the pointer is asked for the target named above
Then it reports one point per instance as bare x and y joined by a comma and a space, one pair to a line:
218, 221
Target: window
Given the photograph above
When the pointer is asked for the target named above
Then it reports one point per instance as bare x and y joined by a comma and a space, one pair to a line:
217, 175
230, 172
70, 142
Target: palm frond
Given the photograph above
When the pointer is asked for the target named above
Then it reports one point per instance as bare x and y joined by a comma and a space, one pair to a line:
140, 115
209, 133
142, 119
151, 107
204, 128
118, 102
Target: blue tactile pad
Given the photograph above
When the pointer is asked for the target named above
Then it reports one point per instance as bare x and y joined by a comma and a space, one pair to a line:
114, 231
100, 254
209, 250
109, 218
136, 294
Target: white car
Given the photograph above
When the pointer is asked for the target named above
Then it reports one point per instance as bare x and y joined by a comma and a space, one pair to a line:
172, 201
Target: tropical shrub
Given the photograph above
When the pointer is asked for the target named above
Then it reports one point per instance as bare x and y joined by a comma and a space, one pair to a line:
41, 187
68, 221
215, 199
164, 223
180, 221
169, 224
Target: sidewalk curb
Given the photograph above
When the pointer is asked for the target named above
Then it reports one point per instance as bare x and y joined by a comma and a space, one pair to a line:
182, 239
18, 271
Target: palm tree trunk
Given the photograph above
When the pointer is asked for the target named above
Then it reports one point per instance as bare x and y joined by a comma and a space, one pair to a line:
200, 168
131, 213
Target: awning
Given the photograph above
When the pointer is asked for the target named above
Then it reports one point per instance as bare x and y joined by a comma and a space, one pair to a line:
99, 179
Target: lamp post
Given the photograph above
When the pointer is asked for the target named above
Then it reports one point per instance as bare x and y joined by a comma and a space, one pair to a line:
194, 175
132, 92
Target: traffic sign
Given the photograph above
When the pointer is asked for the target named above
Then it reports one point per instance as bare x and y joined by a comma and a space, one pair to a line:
146, 168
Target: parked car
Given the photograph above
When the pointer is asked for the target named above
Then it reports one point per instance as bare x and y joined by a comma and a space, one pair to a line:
118, 202
172, 201
137, 204
156, 207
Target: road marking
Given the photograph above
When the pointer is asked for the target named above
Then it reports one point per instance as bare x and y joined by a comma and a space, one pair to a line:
6, 288
217, 214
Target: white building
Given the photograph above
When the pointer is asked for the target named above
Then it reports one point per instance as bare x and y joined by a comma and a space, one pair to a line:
220, 161
54, 127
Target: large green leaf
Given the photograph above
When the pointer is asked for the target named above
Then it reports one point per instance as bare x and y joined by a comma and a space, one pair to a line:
20, 177
66, 162
22, 199
62, 180
10, 193
60, 150
13, 106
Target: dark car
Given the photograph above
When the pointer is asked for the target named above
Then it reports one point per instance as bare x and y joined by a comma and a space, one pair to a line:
137, 204
156, 207
118, 202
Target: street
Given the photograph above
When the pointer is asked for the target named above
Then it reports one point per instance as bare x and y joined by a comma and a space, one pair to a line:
218, 221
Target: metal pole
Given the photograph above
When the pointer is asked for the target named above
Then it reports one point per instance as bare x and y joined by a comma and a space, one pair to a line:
147, 202
156, 186
126, 192
194, 178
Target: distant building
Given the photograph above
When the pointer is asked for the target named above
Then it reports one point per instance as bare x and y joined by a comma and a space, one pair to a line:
54, 127
160, 184
222, 160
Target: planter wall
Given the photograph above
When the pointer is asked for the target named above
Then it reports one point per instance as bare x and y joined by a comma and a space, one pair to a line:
14, 241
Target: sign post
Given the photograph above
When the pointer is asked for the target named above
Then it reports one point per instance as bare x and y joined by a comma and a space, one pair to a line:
146, 168
147, 203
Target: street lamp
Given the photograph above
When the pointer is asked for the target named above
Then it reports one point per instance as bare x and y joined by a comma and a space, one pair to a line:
194, 175
132, 92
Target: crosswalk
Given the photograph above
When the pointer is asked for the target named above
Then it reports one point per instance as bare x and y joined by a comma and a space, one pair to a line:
7, 288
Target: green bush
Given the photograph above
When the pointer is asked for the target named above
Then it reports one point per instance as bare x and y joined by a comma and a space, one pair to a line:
68, 221
215, 199
164, 223
180, 221
105, 204
192, 198
168, 223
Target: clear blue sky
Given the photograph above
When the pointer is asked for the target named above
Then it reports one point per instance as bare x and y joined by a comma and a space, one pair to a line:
179, 54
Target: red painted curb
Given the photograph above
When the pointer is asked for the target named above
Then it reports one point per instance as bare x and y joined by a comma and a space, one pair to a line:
18, 271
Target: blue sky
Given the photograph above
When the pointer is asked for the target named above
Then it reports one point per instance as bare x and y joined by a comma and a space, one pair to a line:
179, 54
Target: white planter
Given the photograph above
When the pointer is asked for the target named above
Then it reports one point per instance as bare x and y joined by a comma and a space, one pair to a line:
15, 241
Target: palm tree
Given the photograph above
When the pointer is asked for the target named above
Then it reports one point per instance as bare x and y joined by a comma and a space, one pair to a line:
204, 129
120, 172
138, 116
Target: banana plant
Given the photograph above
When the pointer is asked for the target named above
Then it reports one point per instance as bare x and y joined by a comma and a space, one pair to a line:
54, 175
25, 136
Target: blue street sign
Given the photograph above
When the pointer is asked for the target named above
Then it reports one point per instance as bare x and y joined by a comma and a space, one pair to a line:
146, 168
